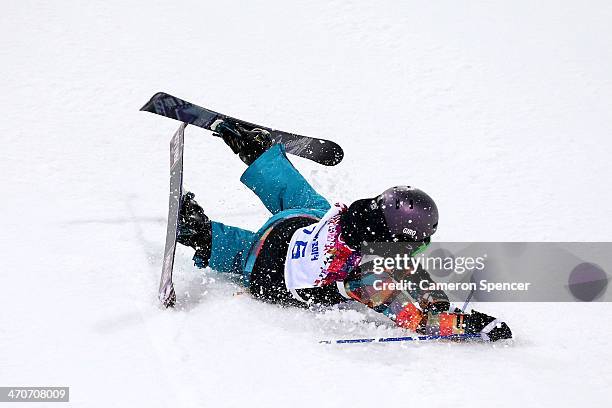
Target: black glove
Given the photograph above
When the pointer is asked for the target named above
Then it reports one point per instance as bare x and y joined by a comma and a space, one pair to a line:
194, 229
247, 144
488, 326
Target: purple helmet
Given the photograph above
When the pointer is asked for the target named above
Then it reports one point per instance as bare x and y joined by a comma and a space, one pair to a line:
399, 214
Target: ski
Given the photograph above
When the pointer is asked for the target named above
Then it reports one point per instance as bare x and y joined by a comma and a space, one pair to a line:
321, 151
452, 337
167, 294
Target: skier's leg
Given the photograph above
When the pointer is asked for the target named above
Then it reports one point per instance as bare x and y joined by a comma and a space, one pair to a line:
279, 185
270, 174
229, 245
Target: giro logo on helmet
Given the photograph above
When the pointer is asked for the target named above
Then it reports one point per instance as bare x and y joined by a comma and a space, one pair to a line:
410, 232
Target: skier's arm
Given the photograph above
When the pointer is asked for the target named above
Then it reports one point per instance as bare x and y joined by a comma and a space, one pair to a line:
376, 290
432, 317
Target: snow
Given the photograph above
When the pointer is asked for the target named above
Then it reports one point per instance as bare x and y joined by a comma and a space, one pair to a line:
499, 110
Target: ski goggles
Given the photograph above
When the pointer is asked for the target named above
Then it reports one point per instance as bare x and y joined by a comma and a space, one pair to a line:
392, 249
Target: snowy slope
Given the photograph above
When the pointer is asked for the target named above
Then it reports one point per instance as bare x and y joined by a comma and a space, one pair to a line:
500, 110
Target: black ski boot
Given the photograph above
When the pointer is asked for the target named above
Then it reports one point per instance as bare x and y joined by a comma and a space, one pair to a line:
194, 229
247, 144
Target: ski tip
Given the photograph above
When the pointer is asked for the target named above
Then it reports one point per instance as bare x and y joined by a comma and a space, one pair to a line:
169, 303
168, 300
150, 105
338, 156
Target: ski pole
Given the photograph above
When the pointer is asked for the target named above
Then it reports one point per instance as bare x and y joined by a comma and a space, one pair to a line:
407, 338
467, 301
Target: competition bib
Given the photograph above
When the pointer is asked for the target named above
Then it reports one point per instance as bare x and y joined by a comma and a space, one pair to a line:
316, 256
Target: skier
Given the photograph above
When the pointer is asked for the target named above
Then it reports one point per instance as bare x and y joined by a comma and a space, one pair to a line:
310, 252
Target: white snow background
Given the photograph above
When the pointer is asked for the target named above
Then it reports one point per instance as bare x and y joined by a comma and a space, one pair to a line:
499, 110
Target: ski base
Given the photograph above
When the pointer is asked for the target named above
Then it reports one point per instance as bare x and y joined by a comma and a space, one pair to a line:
167, 294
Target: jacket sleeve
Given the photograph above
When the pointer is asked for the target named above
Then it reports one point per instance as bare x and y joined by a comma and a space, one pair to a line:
390, 294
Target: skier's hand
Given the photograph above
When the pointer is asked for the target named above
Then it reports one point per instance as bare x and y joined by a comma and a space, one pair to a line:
230, 136
431, 305
194, 228
191, 214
